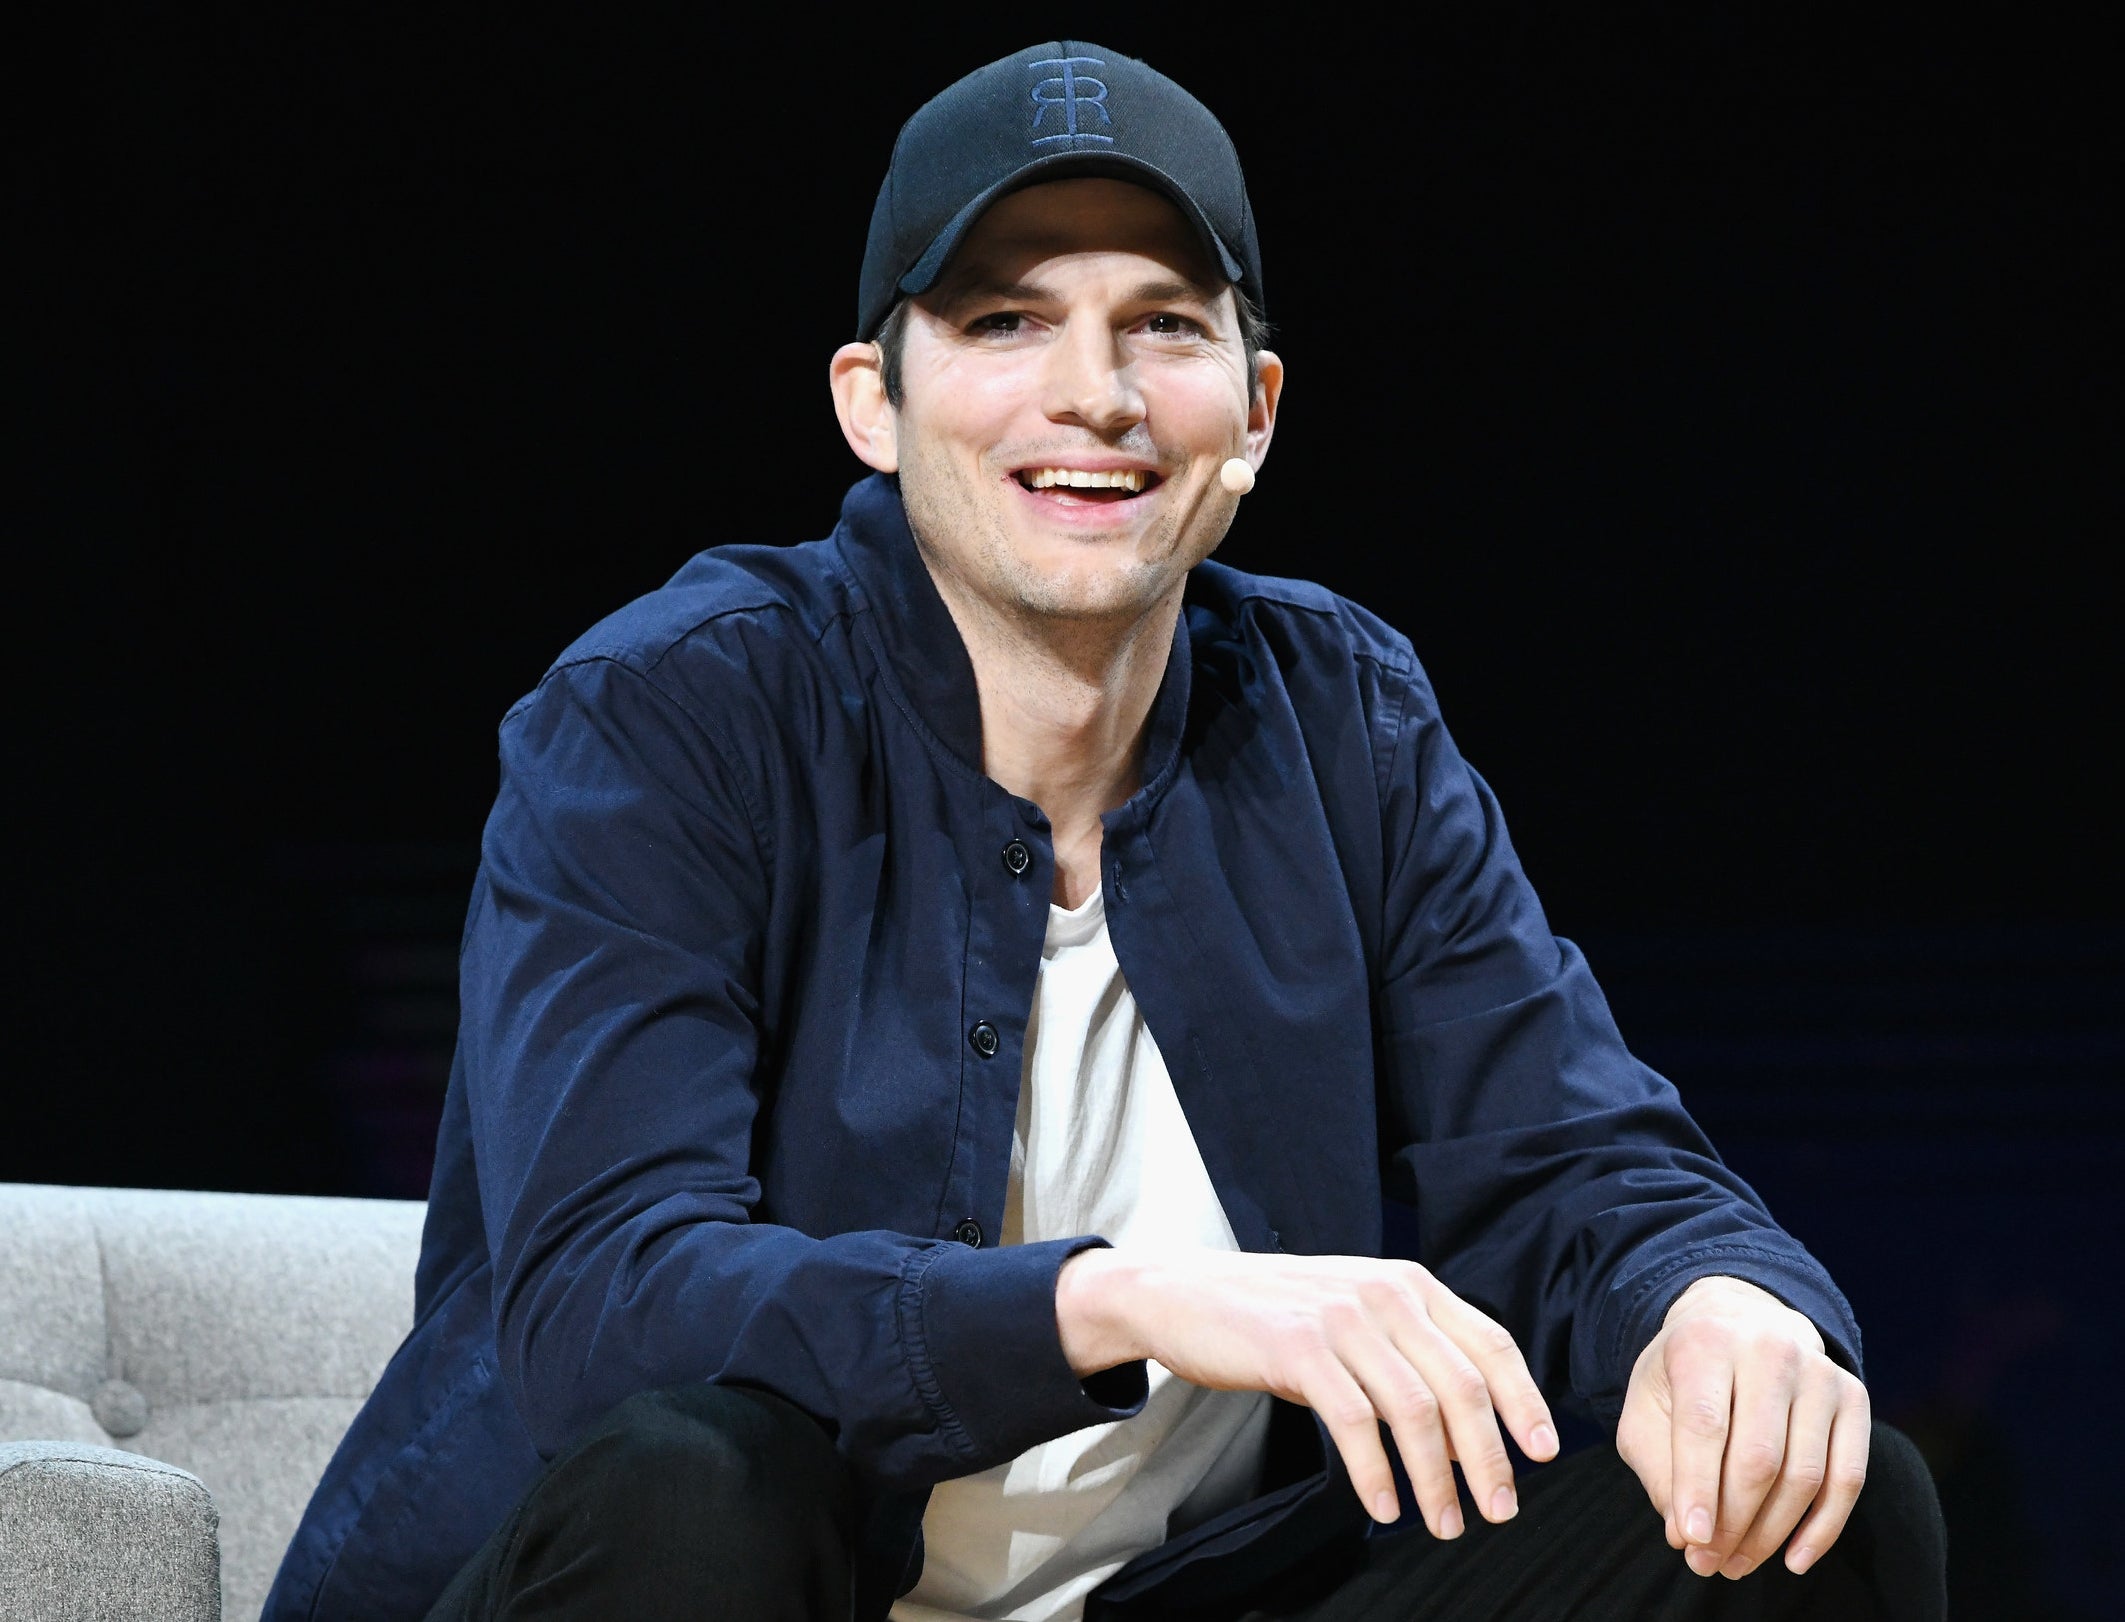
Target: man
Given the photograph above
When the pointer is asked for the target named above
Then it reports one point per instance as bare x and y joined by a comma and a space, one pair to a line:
938, 1005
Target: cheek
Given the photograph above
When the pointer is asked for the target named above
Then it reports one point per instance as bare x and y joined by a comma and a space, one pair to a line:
1199, 407
973, 405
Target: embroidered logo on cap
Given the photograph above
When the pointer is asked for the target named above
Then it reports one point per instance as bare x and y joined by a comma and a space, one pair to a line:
1067, 92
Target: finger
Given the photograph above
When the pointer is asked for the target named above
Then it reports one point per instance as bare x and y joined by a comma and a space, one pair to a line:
1491, 1347
1701, 1382
1463, 1404
1401, 1396
1766, 1384
1650, 1457
1845, 1472
1800, 1478
1642, 1441
1354, 1426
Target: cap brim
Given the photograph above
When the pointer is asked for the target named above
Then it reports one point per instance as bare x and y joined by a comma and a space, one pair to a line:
922, 275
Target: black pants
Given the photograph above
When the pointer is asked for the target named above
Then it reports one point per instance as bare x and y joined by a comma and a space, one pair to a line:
704, 1502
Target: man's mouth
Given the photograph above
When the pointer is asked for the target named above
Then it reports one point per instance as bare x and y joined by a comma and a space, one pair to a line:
1072, 484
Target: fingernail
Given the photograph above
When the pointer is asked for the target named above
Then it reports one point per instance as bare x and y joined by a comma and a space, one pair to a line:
1702, 1561
1739, 1566
1504, 1504
1799, 1558
1542, 1439
1450, 1522
1386, 1508
1698, 1528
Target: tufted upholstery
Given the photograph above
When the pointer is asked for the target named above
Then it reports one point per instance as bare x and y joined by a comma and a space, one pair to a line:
231, 1335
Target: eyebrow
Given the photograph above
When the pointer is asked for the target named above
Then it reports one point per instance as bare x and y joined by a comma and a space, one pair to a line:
1172, 291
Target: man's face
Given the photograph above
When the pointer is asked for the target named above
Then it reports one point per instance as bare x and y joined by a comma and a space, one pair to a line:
1079, 332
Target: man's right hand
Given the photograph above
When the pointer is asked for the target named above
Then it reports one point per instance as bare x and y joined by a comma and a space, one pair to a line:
1355, 1339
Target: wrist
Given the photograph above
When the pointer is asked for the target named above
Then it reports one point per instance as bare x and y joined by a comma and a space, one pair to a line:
1092, 1317
1722, 1293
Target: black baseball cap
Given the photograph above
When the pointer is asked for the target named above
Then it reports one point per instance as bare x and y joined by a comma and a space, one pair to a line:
1049, 112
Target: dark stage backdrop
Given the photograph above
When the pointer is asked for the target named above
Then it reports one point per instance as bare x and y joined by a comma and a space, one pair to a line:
1727, 409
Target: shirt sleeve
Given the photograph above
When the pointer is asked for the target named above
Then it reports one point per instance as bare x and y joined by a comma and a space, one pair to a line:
612, 1042
1559, 1183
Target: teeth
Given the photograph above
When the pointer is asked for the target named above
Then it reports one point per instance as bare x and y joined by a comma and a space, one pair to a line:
1043, 478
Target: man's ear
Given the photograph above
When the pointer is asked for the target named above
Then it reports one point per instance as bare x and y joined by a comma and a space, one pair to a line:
868, 421
1261, 410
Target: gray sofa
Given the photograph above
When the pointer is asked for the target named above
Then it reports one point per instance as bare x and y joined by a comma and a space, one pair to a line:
175, 1370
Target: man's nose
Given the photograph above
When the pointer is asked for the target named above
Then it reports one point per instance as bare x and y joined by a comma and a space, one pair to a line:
1091, 381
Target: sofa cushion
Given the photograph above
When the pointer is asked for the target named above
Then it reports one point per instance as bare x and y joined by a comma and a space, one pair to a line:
34, 1411
52, 1333
215, 1296
263, 1457
234, 1335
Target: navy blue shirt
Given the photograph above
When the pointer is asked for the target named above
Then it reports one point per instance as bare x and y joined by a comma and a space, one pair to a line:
745, 985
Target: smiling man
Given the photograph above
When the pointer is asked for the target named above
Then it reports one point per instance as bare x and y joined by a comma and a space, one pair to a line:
942, 1004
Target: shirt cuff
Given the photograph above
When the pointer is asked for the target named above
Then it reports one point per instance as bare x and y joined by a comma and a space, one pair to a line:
981, 1341
1805, 1289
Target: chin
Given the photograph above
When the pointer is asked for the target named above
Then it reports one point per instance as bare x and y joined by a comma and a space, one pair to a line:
1091, 594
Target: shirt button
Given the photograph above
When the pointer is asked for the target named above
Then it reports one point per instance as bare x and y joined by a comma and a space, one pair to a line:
1016, 857
968, 1232
984, 1038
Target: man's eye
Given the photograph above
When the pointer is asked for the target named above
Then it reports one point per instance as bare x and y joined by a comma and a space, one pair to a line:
1002, 324
1167, 322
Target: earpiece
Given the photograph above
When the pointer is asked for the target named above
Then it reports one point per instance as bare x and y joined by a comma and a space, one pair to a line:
1237, 475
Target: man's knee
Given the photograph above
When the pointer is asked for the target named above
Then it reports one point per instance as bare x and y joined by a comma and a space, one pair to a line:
726, 1489
1896, 1530
741, 1455
1895, 1468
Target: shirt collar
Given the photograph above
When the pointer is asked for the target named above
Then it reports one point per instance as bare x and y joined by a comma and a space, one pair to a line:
923, 652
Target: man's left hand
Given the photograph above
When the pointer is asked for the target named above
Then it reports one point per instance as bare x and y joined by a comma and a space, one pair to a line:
1739, 1424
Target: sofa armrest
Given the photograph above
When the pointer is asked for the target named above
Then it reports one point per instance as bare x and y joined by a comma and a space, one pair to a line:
90, 1532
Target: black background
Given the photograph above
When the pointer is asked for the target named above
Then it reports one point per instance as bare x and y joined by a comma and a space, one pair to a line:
1727, 409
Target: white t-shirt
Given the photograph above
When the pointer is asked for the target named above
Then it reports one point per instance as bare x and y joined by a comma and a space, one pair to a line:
1101, 1147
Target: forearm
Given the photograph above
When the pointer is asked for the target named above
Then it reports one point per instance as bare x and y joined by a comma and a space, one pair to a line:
1561, 1183
929, 1360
